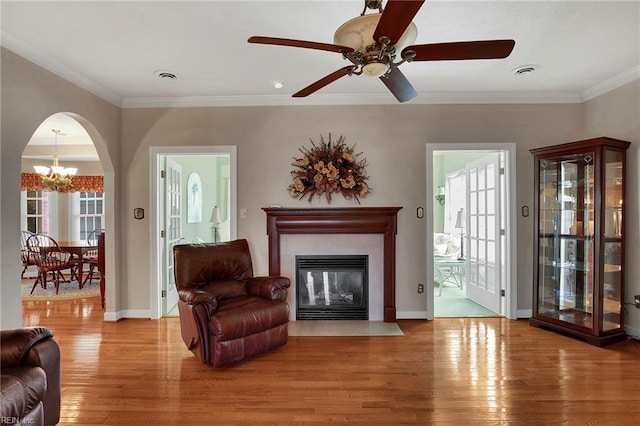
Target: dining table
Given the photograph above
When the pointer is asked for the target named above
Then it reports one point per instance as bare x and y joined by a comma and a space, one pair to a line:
78, 248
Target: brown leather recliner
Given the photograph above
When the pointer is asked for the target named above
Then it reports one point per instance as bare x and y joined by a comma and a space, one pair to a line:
227, 314
30, 377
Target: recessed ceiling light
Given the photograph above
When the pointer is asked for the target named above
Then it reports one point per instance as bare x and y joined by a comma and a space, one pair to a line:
166, 75
525, 69
277, 84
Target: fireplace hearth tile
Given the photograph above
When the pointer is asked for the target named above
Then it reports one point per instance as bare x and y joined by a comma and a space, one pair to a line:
343, 328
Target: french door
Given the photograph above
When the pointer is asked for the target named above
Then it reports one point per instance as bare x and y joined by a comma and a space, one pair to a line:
483, 232
172, 230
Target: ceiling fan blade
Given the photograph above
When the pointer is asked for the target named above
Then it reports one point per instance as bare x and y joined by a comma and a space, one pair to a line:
299, 43
313, 87
398, 84
395, 19
488, 49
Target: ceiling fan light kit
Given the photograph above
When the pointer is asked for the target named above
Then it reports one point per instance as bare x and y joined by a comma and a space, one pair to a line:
375, 61
378, 43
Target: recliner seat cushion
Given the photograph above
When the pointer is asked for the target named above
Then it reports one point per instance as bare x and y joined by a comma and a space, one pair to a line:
22, 389
242, 316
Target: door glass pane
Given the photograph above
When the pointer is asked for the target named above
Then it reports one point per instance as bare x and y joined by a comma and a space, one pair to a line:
482, 202
490, 175
612, 286
491, 252
491, 228
482, 228
491, 201
566, 223
482, 250
613, 193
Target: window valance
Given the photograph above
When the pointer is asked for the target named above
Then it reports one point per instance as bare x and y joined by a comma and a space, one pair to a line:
33, 182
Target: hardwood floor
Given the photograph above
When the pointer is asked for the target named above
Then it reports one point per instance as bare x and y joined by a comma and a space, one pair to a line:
447, 371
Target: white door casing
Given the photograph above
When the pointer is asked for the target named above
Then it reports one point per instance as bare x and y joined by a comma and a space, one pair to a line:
157, 208
509, 213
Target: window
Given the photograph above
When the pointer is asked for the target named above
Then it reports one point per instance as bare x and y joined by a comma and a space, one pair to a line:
35, 207
455, 196
91, 212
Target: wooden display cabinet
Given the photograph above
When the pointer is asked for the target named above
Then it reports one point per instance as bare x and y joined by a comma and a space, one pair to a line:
579, 248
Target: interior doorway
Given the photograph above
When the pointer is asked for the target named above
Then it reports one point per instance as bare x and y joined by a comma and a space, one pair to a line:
70, 216
471, 233
193, 199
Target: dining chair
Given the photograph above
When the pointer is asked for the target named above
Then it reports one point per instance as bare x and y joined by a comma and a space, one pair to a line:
25, 255
50, 257
91, 256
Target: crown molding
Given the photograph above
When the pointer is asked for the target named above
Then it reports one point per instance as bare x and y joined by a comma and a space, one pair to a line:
41, 59
612, 83
434, 98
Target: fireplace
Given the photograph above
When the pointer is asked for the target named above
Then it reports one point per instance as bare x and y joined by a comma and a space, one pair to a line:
332, 287
334, 221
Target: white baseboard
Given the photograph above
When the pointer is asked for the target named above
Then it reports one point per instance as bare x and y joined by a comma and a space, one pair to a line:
411, 315
524, 313
521, 313
128, 313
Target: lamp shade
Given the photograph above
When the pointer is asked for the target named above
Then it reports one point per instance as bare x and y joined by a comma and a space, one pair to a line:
215, 216
460, 219
357, 33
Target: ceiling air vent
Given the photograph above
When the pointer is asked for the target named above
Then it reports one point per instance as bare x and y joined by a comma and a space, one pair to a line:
166, 75
525, 69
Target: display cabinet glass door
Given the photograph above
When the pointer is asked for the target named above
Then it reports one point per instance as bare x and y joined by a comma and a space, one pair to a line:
613, 220
566, 239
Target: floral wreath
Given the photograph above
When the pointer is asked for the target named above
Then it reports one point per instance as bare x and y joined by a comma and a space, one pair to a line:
327, 168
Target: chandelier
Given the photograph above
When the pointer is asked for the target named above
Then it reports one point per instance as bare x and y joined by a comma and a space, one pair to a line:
56, 177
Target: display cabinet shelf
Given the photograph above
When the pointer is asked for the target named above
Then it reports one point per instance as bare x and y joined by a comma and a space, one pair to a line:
579, 248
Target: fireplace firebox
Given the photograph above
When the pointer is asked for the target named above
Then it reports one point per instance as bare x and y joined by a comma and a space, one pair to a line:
332, 287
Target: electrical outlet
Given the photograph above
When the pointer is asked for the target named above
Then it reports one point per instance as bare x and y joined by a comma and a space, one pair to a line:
420, 288
636, 300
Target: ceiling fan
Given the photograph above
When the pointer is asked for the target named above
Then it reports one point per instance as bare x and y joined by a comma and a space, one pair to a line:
372, 42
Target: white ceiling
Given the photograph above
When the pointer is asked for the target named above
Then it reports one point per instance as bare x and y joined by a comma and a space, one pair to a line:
113, 49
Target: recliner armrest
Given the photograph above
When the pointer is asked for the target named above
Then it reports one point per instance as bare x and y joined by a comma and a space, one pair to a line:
273, 288
196, 297
16, 344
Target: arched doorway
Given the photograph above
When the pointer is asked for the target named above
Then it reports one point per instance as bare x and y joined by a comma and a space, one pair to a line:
68, 215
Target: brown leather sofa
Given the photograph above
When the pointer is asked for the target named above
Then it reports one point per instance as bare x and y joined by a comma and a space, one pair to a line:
30, 377
227, 314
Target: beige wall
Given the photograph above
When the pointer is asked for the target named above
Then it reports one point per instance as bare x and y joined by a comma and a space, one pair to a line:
268, 137
617, 114
29, 95
392, 137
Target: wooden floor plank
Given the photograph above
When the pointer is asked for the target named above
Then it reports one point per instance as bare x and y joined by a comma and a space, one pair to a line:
448, 371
